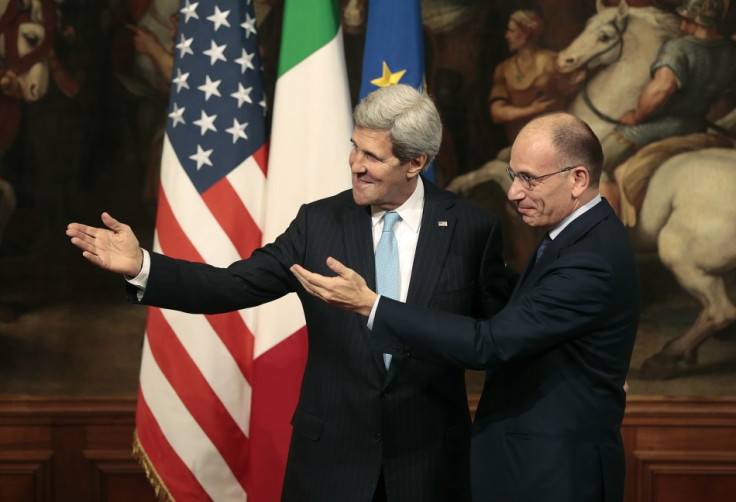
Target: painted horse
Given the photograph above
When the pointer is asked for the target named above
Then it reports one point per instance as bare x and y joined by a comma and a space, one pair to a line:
27, 58
696, 242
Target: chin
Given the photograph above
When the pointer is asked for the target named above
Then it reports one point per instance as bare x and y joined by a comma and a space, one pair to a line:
360, 200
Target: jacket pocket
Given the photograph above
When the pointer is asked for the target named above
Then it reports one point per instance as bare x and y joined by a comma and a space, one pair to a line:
307, 425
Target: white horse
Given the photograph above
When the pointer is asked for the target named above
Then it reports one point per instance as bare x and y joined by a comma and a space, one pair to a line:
617, 48
26, 57
623, 42
694, 240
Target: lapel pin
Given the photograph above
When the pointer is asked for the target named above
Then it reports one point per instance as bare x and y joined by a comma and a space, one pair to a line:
442, 223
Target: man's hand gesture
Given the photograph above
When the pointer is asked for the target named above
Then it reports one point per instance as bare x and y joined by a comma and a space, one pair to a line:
116, 249
347, 290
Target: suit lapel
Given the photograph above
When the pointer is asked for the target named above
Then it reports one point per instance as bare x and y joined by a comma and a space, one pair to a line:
361, 258
359, 242
435, 236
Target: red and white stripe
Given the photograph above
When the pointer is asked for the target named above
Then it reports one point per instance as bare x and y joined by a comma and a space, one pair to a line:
196, 370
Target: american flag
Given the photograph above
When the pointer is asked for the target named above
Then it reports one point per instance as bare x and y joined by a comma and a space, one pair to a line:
193, 417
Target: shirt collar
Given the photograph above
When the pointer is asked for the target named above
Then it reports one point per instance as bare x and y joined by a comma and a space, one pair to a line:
572, 216
410, 211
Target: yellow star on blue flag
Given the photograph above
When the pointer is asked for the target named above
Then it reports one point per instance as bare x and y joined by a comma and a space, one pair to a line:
387, 77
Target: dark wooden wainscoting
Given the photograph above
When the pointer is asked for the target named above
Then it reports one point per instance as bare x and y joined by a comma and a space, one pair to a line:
680, 449
79, 449
65, 450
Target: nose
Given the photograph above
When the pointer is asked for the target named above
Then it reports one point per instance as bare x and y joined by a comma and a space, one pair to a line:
516, 191
356, 162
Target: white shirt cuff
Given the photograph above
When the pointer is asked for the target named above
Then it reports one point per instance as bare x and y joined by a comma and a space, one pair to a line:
141, 280
373, 312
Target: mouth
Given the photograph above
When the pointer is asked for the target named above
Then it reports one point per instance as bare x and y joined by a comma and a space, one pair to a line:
362, 180
565, 65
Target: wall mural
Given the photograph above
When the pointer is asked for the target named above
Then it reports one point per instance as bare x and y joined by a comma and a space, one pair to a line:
83, 108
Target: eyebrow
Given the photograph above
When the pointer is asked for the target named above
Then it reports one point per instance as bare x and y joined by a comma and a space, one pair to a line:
370, 152
524, 172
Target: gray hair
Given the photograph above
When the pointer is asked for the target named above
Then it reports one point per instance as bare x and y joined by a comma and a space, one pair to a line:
410, 117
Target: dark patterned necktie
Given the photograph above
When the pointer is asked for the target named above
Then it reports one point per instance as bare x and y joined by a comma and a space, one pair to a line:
540, 250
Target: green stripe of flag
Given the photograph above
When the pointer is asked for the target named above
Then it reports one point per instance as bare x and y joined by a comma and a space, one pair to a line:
308, 25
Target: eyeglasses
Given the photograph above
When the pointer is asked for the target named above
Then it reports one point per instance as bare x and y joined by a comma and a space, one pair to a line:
528, 181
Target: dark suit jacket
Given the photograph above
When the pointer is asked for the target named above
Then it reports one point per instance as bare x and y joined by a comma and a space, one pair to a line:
354, 418
547, 425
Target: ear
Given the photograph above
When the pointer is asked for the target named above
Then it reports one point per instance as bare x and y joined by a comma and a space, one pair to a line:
623, 9
415, 166
581, 181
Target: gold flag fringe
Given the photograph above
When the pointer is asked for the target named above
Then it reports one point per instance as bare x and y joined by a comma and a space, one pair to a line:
162, 493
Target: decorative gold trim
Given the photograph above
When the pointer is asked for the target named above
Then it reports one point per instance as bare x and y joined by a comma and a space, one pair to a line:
139, 453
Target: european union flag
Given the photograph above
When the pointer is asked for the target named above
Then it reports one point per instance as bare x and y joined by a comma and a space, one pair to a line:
394, 48
394, 45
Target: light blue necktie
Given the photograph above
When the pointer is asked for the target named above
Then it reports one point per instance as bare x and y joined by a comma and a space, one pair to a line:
387, 264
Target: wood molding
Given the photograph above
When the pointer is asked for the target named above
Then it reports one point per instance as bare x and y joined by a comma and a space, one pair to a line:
693, 410
665, 410
67, 408
671, 475
698, 409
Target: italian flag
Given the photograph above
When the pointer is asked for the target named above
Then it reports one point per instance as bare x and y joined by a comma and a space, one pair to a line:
308, 160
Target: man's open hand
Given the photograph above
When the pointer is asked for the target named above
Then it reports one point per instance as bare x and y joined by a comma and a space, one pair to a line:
114, 248
347, 290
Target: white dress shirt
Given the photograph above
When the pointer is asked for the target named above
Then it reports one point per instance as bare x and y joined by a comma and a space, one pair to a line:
408, 227
406, 231
557, 229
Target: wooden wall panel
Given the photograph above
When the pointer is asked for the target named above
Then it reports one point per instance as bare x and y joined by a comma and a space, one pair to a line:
25, 475
59, 450
56, 450
686, 476
116, 476
680, 449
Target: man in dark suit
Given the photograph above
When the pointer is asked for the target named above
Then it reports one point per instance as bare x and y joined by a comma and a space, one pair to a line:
547, 425
361, 431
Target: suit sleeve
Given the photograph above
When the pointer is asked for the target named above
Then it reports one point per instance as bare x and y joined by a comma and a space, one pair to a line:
205, 289
565, 303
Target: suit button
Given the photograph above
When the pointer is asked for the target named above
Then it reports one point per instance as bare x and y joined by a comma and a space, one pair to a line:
378, 438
